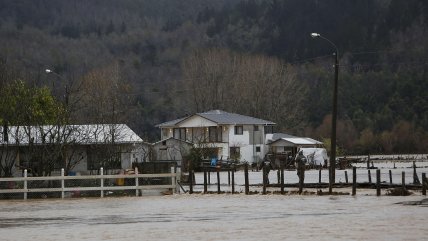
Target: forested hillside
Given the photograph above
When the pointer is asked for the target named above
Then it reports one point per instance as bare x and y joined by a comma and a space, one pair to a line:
143, 62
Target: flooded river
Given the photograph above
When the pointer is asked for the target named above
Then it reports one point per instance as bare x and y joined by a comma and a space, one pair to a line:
215, 217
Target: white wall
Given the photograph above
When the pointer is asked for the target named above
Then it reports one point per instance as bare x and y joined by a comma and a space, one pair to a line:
196, 121
247, 150
228, 133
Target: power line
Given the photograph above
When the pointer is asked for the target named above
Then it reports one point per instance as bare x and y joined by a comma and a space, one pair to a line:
307, 60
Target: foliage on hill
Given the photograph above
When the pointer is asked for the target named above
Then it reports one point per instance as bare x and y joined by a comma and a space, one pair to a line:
163, 59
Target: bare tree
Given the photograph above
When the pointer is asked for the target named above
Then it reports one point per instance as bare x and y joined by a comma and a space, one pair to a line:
254, 85
104, 96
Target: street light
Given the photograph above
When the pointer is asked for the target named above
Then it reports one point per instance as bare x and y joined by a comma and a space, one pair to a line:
332, 169
49, 71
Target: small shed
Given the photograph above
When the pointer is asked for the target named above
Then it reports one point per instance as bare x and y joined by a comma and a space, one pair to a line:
292, 144
171, 149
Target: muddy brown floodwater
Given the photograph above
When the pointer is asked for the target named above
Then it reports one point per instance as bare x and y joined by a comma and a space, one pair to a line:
215, 217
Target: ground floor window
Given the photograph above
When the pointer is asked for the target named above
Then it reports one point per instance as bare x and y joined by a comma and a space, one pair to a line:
235, 153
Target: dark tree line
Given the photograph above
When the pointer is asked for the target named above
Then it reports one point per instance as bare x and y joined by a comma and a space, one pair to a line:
143, 61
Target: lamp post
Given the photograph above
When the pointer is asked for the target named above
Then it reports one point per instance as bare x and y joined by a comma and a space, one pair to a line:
332, 170
49, 71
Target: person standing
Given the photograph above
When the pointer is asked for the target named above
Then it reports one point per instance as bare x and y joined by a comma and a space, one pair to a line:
300, 162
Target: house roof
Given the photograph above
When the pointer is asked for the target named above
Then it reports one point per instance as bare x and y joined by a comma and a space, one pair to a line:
298, 141
73, 134
276, 136
222, 118
295, 140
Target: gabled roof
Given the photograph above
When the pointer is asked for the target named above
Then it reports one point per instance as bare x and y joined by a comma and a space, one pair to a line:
298, 141
73, 134
171, 123
276, 136
222, 118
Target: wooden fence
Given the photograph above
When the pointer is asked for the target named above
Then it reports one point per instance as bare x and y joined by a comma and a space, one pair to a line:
378, 184
139, 182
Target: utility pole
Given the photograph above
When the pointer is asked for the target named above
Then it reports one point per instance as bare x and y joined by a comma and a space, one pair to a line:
332, 168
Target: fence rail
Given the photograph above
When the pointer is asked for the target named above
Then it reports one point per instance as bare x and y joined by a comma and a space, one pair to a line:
137, 182
260, 181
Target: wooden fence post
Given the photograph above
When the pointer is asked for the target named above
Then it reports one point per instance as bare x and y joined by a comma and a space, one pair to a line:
370, 176
102, 181
178, 179
228, 177
205, 182
247, 187
233, 181
301, 178
62, 183
25, 185
190, 181
354, 181
403, 181
173, 180
278, 176
264, 171
346, 176
330, 179
319, 176
378, 182
390, 177
209, 177
136, 182
424, 184
282, 178
218, 182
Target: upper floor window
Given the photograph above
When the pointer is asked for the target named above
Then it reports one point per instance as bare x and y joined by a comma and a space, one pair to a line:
214, 134
239, 130
256, 128
180, 133
268, 129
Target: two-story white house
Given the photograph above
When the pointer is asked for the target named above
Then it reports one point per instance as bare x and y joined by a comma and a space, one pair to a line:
229, 135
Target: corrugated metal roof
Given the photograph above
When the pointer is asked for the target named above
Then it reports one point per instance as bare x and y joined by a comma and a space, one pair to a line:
276, 136
76, 134
222, 117
299, 141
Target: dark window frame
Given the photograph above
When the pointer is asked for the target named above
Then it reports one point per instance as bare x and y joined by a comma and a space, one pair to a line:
239, 130
268, 129
179, 133
234, 151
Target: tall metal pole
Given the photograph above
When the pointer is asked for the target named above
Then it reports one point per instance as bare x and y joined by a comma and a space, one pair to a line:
334, 120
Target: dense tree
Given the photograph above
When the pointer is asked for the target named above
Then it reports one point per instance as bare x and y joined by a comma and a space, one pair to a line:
25, 110
177, 57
